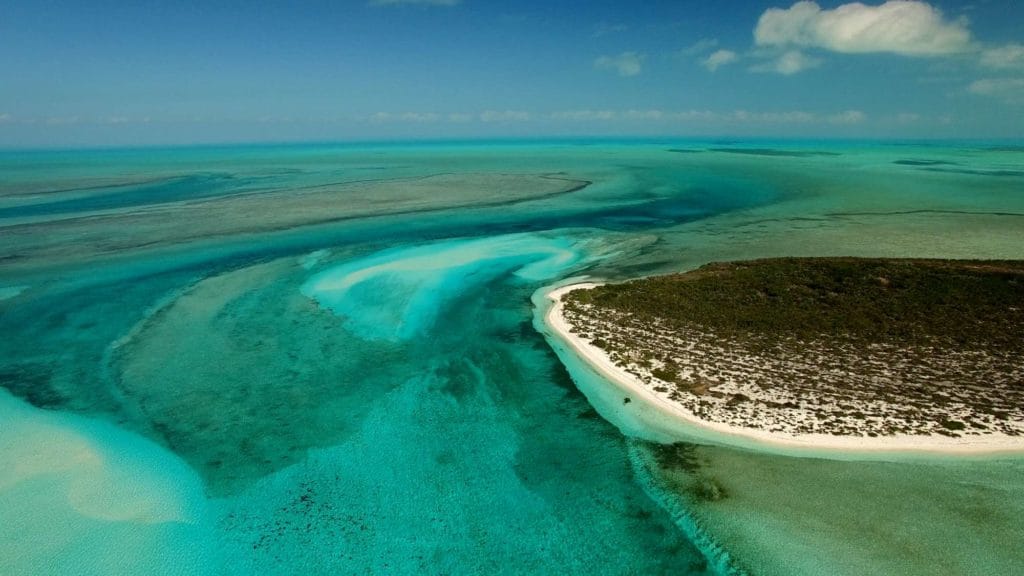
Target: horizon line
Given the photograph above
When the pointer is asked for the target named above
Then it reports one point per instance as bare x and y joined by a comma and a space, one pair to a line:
724, 139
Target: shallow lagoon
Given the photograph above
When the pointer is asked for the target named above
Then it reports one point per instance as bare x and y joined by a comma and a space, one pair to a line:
358, 386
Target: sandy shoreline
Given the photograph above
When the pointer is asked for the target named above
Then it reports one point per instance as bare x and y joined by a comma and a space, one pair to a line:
628, 383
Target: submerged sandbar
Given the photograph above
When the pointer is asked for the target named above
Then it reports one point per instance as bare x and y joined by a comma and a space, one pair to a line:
867, 354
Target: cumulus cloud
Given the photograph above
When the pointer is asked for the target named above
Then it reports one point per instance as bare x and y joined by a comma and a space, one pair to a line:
848, 117
583, 115
906, 27
415, 2
694, 116
632, 115
739, 117
410, 117
61, 120
636, 116
504, 116
1008, 89
608, 115
788, 63
626, 64
701, 46
643, 115
1004, 57
5, 117
790, 117
991, 86
719, 58
487, 116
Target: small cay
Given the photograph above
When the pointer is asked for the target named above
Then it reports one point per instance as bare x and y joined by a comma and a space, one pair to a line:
841, 352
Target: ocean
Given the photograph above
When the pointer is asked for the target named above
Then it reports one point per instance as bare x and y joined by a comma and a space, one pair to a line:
328, 359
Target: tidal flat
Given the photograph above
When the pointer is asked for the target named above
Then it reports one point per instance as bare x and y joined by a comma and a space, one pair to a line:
325, 359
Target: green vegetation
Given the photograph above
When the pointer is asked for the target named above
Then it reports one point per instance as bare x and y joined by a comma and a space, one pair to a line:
842, 346
864, 300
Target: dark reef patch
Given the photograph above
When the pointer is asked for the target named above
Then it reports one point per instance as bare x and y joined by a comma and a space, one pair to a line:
908, 212
191, 187
775, 152
925, 163
679, 456
32, 383
969, 172
1010, 148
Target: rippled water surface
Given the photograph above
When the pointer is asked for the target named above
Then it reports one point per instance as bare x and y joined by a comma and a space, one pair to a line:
326, 360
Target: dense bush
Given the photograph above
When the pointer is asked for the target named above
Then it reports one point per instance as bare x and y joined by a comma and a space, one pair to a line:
955, 303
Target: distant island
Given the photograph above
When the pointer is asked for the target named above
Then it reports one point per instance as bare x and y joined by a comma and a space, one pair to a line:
825, 352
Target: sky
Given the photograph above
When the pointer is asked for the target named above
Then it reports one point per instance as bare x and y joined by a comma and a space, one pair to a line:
114, 73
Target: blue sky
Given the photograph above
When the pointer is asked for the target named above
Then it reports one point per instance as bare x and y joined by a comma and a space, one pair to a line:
102, 72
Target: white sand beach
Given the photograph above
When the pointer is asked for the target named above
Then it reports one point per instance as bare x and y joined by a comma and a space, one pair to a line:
637, 390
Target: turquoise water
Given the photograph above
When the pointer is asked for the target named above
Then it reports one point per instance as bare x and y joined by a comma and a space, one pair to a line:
326, 359
424, 279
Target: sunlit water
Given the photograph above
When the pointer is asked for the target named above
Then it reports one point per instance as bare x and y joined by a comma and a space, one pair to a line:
328, 360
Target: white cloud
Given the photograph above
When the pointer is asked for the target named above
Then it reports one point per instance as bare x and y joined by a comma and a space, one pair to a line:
504, 116
626, 64
6, 118
420, 117
702, 46
408, 117
62, 120
788, 63
848, 117
697, 116
583, 115
907, 117
694, 116
453, 117
657, 116
1009, 56
992, 86
719, 58
905, 27
643, 115
1008, 89
790, 117
419, 2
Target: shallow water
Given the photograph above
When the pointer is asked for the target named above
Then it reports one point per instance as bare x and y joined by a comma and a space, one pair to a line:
785, 515
324, 359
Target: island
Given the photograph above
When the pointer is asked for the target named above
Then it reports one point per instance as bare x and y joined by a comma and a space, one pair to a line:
872, 354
